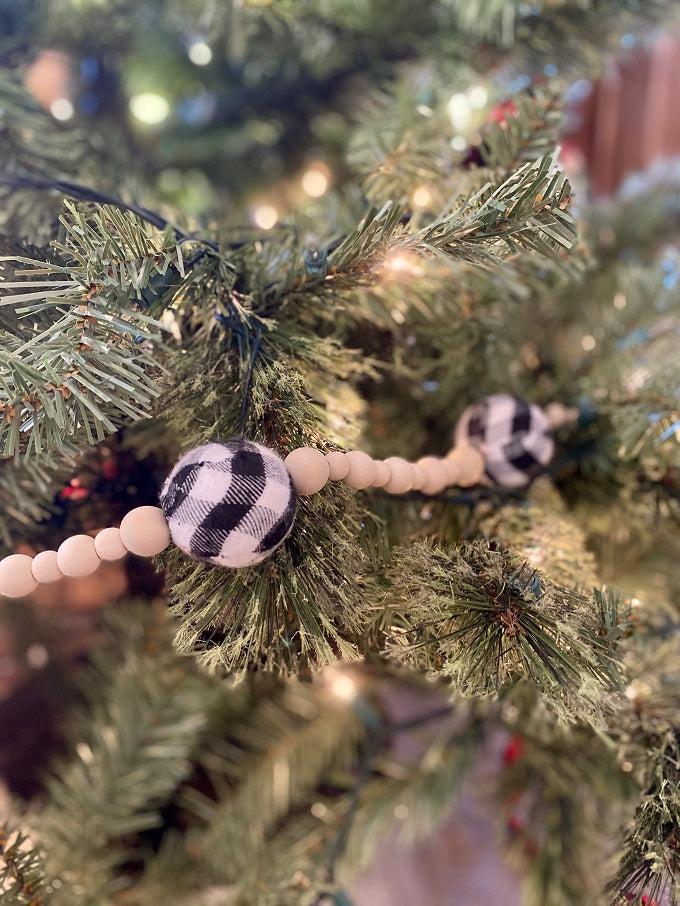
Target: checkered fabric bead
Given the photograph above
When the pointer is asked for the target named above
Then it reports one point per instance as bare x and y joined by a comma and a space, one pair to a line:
512, 436
230, 503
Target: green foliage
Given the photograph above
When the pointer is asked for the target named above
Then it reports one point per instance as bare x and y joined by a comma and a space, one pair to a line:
132, 747
22, 875
484, 618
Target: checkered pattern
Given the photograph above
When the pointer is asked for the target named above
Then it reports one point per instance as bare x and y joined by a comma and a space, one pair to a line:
512, 436
230, 503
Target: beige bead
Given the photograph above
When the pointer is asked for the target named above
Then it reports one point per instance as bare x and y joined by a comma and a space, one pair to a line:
338, 465
382, 474
470, 465
77, 557
557, 415
436, 475
109, 544
144, 531
45, 568
309, 470
16, 578
419, 477
362, 470
402, 476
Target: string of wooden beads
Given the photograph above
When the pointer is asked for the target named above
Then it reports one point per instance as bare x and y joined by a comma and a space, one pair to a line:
311, 470
143, 531
232, 504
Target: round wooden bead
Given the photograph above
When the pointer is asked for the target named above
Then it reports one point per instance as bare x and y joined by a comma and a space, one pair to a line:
45, 568
338, 465
401, 475
470, 465
16, 577
77, 557
109, 544
144, 531
418, 476
382, 474
362, 470
309, 470
436, 475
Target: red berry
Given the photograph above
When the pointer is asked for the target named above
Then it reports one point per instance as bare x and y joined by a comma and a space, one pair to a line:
513, 750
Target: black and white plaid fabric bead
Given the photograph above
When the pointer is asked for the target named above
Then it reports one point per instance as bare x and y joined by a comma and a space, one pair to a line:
230, 504
512, 436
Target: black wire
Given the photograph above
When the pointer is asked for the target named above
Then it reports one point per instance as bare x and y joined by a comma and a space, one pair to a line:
84, 193
254, 352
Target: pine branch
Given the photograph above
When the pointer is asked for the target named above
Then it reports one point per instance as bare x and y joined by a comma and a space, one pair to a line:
486, 619
132, 748
22, 873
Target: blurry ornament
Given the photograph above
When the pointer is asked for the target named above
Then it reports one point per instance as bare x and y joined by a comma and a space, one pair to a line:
48, 78
513, 751
511, 435
501, 112
231, 504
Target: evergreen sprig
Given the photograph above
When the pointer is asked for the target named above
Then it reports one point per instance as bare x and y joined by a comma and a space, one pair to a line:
486, 619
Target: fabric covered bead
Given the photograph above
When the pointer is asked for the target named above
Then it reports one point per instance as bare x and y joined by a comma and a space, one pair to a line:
45, 568
338, 465
362, 470
465, 465
436, 475
16, 576
382, 474
77, 557
309, 470
109, 544
401, 475
144, 531
511, 435
230, 504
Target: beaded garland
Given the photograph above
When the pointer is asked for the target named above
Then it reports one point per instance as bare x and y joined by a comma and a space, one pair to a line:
232, 504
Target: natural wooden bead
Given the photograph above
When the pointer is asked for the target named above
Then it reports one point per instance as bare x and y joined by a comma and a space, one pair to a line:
362, 470
338, 465
144, 531
419, 477
16, 577
45, 568
382, 474
401, 475
77, 557
558, 415
470, 464
436, 475
109, 544
309, 470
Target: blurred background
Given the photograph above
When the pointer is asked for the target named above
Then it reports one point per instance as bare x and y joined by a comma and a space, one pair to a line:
209, 126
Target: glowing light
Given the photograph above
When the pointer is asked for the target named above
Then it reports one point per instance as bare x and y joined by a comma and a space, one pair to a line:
401, 811
315, 181
318, 809
342, 686
458, 143
620, 301
37, 656
149, 108
199, 53
61, 109
265, 216
459, 110
478, 96
588, 342
635, 602
422, 197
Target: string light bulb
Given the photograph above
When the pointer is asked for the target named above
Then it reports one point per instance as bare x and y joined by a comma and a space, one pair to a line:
61, 109
265, 216
459, 110
478, 96
200, 53
341, 685
149, 108
315, 181
421, 197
